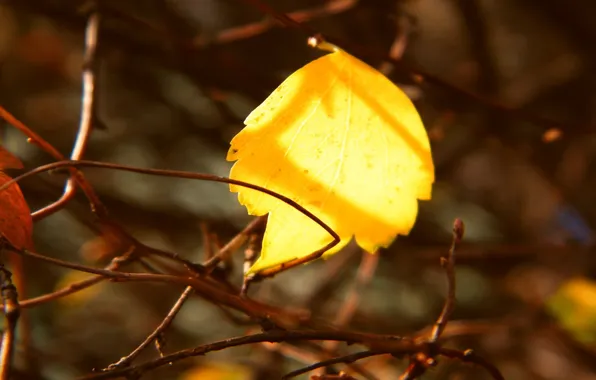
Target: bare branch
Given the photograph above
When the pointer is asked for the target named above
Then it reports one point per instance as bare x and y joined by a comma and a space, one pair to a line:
87, 116
273, 336
115, 264
448, 264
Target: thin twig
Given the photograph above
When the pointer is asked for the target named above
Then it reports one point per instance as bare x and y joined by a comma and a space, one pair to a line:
95, 203
11, 317
448, 264
115, 264
342, 359
125, 361
87, 116
145, 250
273, 336
425, 359
235, 243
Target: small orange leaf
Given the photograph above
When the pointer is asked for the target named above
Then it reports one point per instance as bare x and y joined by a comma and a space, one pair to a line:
9, 160
551, 135
15, 217
218, 371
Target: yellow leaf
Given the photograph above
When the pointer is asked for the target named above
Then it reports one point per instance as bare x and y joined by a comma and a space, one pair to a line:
574, 306
342, 141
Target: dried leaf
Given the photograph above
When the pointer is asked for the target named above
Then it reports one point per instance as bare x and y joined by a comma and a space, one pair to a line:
15, 217
9, 160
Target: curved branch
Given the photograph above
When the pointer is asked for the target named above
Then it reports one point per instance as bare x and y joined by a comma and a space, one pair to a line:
186, 175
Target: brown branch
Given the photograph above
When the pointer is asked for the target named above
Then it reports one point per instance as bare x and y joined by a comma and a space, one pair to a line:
207, 289
85, 126
423, 360
273, 336
11, 317
145, 250
448, 264
36, 139
422, 350
87, 117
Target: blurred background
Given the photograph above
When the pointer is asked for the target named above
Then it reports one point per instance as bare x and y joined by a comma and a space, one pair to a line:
175, 80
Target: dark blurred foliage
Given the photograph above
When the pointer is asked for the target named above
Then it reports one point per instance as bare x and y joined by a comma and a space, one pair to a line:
177, 77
